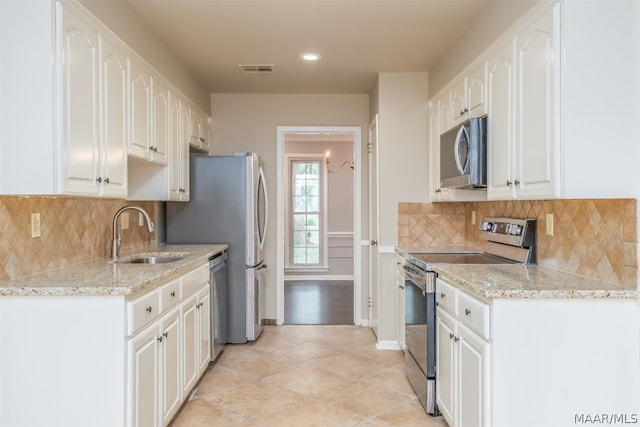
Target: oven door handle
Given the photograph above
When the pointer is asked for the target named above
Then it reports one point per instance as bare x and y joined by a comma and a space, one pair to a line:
418, 280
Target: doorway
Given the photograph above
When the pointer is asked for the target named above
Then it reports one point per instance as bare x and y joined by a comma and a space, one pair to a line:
318, 225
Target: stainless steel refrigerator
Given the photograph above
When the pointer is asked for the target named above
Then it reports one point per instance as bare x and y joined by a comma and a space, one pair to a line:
228, 204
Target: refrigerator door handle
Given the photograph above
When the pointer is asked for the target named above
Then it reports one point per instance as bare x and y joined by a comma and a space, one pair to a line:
262, 182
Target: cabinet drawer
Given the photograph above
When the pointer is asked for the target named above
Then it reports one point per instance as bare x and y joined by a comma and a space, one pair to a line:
446, 296
142, 310
169, 295
192, 281
474, 314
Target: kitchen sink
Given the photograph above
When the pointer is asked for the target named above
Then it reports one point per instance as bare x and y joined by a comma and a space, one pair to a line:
153, 257
152, 260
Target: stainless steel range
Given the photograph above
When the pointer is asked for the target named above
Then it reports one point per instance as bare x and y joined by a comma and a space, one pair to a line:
508, 241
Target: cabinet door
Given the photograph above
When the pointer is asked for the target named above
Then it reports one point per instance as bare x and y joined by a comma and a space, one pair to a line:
476, 91
537, 154
472, 379
160, 137
446, 353
434, 148
500, 155
79, 81
206, 134
204, 328
143, 381
176, 152
458, 102
196, 128
190, 343
171, 390
113, 169
140, 111
400, 316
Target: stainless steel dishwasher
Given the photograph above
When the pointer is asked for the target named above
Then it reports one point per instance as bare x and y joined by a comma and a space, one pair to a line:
219, 317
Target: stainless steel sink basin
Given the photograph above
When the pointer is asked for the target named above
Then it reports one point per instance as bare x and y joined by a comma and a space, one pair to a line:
152, 260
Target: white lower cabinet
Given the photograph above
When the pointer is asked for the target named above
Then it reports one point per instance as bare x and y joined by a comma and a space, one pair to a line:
154, 363
166, 359
531, 362
197, 337
463, 368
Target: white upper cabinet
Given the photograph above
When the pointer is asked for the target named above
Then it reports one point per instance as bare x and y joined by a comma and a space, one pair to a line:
80, 90
93, 119
538, 144
160, 135
178, 152
114, 118
543, 78
200, 132
468, 95
523, 144
102, 112
500, 128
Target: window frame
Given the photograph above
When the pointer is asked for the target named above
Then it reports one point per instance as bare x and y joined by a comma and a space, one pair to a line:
323, 264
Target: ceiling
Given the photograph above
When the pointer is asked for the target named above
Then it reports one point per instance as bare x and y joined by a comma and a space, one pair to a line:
356, 39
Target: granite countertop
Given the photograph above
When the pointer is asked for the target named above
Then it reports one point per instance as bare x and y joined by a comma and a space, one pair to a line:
102, 277
529, 281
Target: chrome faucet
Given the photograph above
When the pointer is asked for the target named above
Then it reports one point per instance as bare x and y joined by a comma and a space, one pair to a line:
117, 238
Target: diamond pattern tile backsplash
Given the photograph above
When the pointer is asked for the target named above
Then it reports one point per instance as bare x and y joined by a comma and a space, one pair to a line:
594, 238
72, 231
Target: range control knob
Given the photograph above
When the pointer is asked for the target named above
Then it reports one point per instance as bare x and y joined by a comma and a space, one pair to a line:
515, 230
488, 226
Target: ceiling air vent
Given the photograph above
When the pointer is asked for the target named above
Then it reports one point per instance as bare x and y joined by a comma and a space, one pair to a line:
256, 68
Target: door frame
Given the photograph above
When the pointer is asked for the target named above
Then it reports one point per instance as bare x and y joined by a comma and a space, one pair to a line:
356, 132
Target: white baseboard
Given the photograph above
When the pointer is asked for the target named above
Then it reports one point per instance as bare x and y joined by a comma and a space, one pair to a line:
364, 322
388, 345
318, 277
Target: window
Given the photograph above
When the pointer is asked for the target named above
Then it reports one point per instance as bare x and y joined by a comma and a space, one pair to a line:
306, 221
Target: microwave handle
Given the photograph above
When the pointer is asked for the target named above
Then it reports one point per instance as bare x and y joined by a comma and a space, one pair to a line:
456, 150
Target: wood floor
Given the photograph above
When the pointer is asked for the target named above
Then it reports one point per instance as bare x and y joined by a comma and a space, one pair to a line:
318, 302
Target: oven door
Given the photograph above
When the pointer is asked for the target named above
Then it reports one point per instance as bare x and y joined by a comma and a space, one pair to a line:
420, 358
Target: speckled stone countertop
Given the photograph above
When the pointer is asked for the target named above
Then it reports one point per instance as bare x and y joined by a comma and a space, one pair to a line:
529, 281
102, 277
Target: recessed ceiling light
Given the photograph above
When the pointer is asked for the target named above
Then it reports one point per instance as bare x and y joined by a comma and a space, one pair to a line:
310, 56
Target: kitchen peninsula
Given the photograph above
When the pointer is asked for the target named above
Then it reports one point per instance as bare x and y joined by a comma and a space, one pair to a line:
528, 345
105, 344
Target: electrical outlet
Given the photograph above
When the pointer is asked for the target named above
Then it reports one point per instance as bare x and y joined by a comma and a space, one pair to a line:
549, 224
473, 217
140, 219
35, 225
125, 220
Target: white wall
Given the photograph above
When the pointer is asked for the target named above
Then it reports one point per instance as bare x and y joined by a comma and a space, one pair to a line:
124, 21
403, 159
248, 122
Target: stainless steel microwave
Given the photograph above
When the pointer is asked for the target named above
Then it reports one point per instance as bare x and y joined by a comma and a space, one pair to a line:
463, 155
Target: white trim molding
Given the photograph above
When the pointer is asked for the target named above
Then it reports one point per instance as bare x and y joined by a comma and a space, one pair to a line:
317, 277
388, 345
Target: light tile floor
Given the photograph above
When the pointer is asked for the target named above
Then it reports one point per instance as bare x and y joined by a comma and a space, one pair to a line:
306, 375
